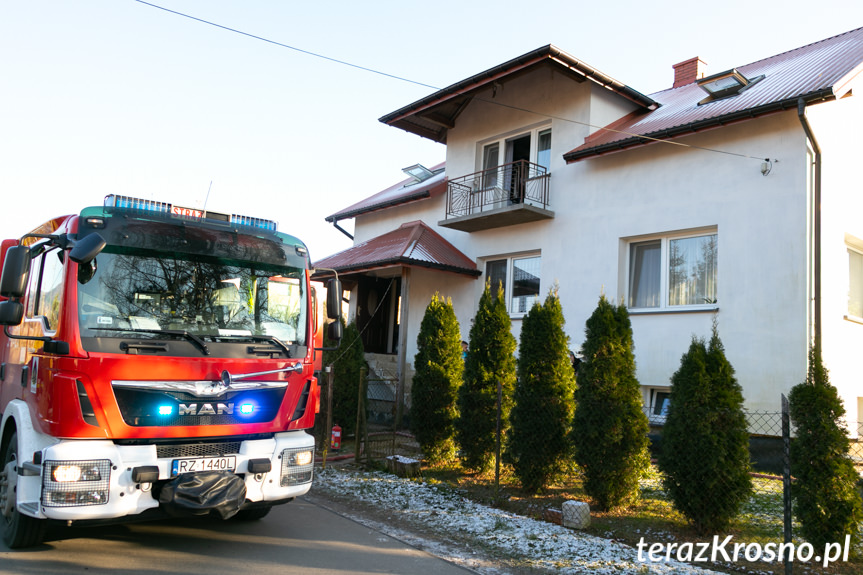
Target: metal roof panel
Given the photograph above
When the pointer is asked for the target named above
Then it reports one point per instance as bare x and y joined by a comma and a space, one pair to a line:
814, 71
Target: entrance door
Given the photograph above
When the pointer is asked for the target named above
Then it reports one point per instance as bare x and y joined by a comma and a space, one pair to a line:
378, 313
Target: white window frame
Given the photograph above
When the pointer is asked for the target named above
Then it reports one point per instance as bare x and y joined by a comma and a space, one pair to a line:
853, 248
655, 395
502, 139
664, 295
508, 285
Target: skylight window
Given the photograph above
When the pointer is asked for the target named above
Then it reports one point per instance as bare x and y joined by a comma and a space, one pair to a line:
418, 172
725, 85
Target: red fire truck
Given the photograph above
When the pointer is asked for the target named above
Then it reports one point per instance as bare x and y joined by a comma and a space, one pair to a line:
155, 361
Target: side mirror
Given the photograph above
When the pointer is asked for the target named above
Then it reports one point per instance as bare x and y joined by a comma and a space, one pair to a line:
334, 299
11, 312
87, 249
16, 270
334, 330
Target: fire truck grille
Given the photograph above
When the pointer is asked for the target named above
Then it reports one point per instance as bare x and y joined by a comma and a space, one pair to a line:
197, 449
159, 408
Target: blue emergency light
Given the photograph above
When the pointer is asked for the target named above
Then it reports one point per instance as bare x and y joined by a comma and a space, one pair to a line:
179, 212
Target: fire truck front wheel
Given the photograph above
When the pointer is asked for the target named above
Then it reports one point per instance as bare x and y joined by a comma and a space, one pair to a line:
253, 513
19, 530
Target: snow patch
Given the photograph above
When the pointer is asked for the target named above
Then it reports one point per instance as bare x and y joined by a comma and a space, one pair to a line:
440, 509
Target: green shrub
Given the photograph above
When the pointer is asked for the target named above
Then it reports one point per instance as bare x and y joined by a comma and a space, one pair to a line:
610, 427
439, 367
541, 415
349, 361
827, 503
705, 441
490, 360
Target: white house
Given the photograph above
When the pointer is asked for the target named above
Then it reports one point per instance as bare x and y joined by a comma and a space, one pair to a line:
695, 202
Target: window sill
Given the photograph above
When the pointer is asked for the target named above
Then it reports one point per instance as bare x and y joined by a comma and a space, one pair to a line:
663, 311
854, 319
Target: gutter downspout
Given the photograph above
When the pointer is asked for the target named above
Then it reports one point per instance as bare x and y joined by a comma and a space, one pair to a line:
816, 247
344, 231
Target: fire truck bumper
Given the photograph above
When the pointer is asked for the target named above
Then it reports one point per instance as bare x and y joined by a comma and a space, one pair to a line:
82, 480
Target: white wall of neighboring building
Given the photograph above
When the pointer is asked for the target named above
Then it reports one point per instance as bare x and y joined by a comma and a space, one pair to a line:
842, 226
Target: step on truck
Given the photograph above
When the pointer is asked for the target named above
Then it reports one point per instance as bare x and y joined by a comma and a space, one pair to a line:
155, 361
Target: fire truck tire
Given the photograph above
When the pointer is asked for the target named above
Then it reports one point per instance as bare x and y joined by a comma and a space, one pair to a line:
253, 514
18, 530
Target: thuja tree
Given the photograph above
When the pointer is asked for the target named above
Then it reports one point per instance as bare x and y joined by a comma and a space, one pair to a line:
439, 367
543, 400
348, 361
490, 360
610, 428
705, 441
826, 499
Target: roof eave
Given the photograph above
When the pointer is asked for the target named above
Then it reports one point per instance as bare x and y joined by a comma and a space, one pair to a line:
693, 127
478, 81
383, 205
398, 262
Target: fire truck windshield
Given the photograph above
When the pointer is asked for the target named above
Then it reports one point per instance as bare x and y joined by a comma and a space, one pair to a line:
142, 294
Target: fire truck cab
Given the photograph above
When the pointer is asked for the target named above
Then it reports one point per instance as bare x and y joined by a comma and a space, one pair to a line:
155, 361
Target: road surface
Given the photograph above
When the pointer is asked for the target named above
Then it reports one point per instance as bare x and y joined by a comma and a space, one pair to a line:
298, 538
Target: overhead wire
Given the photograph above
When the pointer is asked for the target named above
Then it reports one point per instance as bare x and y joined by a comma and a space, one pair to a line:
417, 83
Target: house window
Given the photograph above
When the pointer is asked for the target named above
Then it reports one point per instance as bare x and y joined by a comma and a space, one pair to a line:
543, 149
855, 283
660, 400
673, 272
519, 278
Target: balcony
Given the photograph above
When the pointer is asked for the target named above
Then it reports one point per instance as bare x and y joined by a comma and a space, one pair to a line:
507, 195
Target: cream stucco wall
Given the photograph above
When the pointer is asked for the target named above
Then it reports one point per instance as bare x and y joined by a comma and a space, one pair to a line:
762, 222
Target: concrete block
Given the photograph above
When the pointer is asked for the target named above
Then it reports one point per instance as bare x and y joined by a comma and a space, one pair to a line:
403, 466
553, 516
576, 514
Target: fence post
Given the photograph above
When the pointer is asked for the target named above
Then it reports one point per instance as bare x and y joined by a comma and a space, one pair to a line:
361, 406
497, 446
786, 484
328, 427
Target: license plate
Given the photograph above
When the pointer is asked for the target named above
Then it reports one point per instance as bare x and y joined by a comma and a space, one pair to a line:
179, 466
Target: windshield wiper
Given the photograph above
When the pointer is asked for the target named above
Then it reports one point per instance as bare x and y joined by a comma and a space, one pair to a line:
267, 338
190, 336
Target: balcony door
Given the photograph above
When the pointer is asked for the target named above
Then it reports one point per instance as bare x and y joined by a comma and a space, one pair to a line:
517, 149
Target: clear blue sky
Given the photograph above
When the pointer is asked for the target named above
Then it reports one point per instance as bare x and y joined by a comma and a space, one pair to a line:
115, 96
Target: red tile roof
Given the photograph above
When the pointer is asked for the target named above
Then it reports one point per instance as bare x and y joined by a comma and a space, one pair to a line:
408, 190
816, 72
412, 244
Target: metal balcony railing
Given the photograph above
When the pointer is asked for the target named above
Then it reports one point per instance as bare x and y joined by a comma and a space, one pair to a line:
520, 182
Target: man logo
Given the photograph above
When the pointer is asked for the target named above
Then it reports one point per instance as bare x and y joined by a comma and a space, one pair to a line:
206, 409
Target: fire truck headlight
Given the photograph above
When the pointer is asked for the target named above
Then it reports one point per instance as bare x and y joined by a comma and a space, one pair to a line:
297, 466
166, 409
247, 408
70, 482
76, 472
303, 458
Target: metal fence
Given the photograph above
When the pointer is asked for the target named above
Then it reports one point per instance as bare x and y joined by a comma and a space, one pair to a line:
765, 516
514, 183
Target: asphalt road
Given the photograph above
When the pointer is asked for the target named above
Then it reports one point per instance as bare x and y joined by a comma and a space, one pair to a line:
300, 537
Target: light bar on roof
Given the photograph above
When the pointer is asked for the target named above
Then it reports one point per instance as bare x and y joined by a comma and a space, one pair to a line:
128, 203
188, 214
253, 222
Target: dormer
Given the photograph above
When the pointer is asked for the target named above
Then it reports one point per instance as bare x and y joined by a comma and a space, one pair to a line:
501, 151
